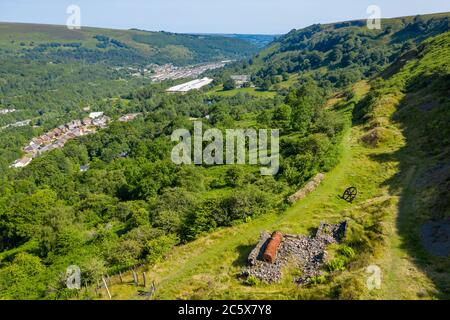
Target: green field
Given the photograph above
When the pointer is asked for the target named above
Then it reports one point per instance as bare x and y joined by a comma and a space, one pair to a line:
218, 91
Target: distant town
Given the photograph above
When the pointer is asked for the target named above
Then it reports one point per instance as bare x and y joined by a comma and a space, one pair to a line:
159, 73
170, 72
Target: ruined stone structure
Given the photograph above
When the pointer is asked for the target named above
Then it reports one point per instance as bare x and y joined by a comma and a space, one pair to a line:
307, 253
308, 188
256, 253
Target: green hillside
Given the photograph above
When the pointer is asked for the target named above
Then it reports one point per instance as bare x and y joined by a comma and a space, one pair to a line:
397, 154
342, 53
118, 47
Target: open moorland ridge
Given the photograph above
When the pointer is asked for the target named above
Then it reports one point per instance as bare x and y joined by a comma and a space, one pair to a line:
365, 108
118, 47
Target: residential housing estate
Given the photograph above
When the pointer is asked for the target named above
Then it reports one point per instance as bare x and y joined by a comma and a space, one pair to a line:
59, 136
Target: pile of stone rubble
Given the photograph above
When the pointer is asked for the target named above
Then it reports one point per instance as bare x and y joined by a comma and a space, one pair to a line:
307, 189
306, 253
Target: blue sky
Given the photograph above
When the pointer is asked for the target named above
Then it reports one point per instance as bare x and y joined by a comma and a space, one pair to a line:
211, 16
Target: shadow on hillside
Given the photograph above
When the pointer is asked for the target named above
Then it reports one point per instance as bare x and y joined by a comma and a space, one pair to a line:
244, 251
422, 185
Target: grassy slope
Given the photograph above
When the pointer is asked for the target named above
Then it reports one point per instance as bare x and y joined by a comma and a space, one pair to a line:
421, 82
276, 51
207, 267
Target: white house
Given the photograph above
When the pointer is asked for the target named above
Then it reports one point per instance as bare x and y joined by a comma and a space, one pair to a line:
22, 162
95, 115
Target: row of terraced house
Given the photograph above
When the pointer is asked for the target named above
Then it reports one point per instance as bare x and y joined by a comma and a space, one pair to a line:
58, 137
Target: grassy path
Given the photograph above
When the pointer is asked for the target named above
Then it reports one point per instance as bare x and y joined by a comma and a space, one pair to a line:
401, 277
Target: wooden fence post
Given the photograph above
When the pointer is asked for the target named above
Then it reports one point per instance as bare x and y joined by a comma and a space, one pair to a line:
120, 277
135, 278
152, 290
145, 279
106, 287
97, 287
85, 287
